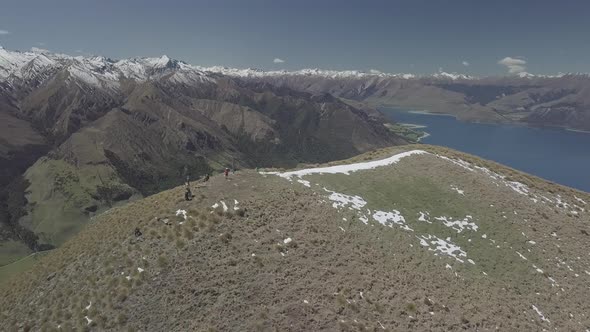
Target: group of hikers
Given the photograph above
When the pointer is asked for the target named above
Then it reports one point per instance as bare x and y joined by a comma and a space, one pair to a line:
188, 195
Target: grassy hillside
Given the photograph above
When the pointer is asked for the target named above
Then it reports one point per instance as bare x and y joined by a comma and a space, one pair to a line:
431, 240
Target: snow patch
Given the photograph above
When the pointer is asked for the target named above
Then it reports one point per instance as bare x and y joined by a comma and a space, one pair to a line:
445, 247
458, 225
342, 200
181, 212
347, 169
304, 182
423, 217
390, 218
459, 191
543, 318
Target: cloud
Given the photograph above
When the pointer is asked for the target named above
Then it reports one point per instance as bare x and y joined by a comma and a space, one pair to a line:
465, 63
4, 32
375, 71
277, 60
514, 65
39, 50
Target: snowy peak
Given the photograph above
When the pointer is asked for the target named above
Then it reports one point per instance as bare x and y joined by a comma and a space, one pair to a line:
309, 72
162, 62
452, 76
99, 71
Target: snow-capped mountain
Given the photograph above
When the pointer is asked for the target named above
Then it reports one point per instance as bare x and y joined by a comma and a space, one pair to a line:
102, 71
37, 64
560, 99
19, 67
257, 73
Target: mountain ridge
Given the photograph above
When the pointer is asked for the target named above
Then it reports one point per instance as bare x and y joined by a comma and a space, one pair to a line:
482, 247
91, 132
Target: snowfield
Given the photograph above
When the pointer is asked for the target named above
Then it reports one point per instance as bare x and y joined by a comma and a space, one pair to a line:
347, 169
432, 238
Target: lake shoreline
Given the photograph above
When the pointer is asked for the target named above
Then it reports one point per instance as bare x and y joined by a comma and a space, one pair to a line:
553, 153
416, 126
511, 123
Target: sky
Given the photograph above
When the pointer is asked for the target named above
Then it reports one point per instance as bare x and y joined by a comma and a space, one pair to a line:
415, 36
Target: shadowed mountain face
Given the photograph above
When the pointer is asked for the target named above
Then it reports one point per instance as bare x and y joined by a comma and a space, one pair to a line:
83, 134
562, 101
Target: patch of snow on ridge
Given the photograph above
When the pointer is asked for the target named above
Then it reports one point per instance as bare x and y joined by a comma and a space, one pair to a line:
440, 246
181, 212
390, 218
580, 200
424, 216
516, 186
304, 182
342, 200
458, 225
347, 169
459, 191
540, 314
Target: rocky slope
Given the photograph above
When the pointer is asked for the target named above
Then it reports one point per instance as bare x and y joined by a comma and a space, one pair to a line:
87, 133
561, 100
406, 238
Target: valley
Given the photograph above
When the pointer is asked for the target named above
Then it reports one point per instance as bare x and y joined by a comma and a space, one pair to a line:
84, 134
542, 100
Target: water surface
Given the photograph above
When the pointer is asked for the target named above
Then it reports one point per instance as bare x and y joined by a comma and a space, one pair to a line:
555, 154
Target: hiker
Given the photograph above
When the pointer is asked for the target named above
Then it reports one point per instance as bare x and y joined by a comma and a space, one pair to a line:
206, 178
226, 172
137, 232
188, 195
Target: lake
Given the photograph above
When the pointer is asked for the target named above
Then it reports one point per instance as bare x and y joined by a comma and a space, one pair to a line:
558, 155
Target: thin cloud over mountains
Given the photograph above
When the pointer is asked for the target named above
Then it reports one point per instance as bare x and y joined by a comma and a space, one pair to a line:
514, 65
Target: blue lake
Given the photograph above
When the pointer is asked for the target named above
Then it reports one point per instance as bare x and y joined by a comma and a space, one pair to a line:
554, 154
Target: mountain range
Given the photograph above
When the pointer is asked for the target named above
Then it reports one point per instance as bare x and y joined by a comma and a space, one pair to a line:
96, 234
81, 134
540, 100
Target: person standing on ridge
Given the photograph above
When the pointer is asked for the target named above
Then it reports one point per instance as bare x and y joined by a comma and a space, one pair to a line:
226, 172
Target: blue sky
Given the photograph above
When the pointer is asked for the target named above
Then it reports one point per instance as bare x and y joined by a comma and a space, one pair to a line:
417, 36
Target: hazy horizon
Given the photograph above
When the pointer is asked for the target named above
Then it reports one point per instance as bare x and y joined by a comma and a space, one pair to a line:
421, 37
